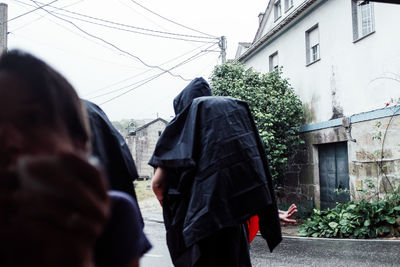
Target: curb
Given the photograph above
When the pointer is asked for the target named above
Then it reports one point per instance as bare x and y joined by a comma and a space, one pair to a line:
342, 239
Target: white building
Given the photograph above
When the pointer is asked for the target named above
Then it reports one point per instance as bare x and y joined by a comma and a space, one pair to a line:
343, 60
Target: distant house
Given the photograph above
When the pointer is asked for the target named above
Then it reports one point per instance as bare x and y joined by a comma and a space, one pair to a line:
343, 60
142, 142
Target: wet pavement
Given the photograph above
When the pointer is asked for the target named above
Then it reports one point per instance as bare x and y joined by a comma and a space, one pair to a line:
293, 251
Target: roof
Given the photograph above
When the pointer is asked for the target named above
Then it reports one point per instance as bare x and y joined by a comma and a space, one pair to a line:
259, 41
148, 124
242, 46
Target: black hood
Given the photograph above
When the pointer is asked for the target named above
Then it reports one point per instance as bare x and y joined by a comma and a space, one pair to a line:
110, 148
196, 88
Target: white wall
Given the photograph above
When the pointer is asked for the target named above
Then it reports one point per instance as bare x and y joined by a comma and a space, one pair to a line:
347, 68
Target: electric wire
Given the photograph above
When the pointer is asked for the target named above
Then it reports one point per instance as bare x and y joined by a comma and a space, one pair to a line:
41, 16
144, 72
176, 23
199, 54
153, 77
67, 29
143, 16
30, 11
114, 46
132, 31
123, 25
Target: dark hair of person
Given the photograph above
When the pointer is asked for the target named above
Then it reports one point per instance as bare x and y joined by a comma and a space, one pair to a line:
60, 106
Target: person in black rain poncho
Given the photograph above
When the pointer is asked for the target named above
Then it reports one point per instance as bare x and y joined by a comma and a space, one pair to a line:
112, 151
212, 175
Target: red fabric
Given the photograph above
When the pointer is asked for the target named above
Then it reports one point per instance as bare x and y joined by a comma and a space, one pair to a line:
253, 226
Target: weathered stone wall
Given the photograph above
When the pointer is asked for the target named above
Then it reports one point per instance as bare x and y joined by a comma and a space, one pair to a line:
142, 146
146, 140
301, 183
375, 157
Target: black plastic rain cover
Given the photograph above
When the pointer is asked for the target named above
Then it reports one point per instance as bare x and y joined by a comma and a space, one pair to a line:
218, 174
111, 149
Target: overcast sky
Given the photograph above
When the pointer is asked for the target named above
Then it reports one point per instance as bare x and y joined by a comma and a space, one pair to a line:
107, 63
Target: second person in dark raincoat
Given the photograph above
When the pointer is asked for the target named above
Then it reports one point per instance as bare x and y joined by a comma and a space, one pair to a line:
212, 175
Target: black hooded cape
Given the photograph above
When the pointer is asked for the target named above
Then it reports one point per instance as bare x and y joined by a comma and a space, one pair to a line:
217, 170
111, 149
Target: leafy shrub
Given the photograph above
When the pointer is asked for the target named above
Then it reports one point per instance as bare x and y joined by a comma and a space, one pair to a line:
356, 220
276, 109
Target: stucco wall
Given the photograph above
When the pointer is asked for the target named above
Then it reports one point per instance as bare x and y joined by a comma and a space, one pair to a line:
347, 77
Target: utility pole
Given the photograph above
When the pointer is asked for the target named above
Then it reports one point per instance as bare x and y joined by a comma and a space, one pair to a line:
3, 27
222, 45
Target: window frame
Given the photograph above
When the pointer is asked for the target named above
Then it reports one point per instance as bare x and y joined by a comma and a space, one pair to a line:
287, 7
309, 49
271, 61
357, 20
277, 7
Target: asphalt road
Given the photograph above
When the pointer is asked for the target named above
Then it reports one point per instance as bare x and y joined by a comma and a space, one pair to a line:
326, 252
291, 252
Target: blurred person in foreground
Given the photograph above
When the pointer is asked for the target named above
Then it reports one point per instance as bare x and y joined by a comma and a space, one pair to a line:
212, 175
53, 201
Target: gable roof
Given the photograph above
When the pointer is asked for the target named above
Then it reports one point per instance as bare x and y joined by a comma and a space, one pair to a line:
259, 40
264, 20
242, 46
148, 124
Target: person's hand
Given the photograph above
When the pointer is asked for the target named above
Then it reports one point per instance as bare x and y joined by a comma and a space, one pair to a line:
55, 211
158, 184
285, 216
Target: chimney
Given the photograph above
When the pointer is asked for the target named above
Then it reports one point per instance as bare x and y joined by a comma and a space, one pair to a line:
260, 17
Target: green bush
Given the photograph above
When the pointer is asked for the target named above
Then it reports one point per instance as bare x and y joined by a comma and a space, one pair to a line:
276, 109
356, 220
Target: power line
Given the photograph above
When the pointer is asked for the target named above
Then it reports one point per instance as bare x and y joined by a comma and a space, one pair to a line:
125, 25
30, 11
41, 16
132, 31
143, 16
156, 76
171, 20
114, 46
137, 75
121, 88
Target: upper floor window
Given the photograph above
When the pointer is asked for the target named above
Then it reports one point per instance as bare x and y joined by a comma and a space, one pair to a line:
277, 9
312, 45
363, 19
273, 62
288, 4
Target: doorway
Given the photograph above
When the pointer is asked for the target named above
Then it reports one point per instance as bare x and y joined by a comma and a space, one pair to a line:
333, 174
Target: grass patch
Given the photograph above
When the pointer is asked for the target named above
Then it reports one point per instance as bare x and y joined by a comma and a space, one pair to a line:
143, 190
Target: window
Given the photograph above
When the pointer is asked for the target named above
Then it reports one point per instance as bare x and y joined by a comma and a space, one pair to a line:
277, 10
312, 45
273, 62
363, 19
288, 4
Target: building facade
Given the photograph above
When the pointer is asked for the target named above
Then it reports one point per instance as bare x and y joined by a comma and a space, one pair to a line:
343, 60
142, 142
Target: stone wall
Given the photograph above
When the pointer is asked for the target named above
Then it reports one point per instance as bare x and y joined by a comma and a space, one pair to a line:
301, 182
375, 158
142, 146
